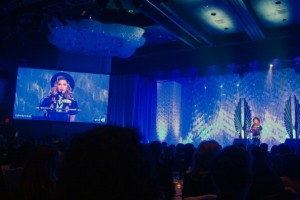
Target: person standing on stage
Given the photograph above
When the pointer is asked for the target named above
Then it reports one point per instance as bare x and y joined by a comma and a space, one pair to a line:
60, 105
256, 131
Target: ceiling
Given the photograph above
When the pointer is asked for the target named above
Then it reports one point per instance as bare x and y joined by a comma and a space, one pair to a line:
186, 28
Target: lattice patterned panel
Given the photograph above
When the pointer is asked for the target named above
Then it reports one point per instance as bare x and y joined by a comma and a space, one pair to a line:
168, 117
213, 100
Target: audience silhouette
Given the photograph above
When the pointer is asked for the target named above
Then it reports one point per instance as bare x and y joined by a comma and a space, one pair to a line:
232, 173
107, 163
110, 162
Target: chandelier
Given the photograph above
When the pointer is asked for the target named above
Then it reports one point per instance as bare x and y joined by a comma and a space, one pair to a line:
91, 37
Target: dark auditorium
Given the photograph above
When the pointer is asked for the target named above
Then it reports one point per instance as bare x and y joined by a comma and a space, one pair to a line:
150, 100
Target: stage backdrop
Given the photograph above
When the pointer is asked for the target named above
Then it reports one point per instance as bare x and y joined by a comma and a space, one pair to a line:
191, 110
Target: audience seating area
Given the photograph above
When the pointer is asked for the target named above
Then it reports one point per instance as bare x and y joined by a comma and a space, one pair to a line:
110, 162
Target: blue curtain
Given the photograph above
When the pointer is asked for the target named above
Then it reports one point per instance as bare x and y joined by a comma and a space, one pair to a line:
132, 103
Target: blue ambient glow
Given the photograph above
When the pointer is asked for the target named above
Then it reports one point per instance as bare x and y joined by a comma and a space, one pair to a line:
206, 111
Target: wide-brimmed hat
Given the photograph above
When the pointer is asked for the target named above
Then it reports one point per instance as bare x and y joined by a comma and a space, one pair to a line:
68, 77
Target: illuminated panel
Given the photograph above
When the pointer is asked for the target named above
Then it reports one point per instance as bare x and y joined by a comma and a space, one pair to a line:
168, 111
209, 108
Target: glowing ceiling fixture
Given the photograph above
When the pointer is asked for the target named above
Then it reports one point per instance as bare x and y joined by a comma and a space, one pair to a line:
274, 12
91, 37
216, 18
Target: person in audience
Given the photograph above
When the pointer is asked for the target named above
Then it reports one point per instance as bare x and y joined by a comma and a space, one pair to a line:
274, 150
163, 171
198, 180
189, 151
169, 157
241, 145
283, 149
38, 179
60, 105
232, 173
264, 146
266, 183
107, 162
164, 146
179, 160
291, 174
276, 160
16, 159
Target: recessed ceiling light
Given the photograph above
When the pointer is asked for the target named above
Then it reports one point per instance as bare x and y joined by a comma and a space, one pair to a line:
277, 2
213, 14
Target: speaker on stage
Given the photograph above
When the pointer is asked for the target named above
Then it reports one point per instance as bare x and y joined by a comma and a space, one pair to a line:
245, 142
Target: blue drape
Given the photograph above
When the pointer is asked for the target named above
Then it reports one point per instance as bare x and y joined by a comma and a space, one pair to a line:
132, 103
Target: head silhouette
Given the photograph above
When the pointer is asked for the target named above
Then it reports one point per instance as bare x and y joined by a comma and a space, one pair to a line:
106, 161
232, 172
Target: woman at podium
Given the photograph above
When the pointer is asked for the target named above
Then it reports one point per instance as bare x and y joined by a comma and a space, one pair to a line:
60, 105
256, 129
